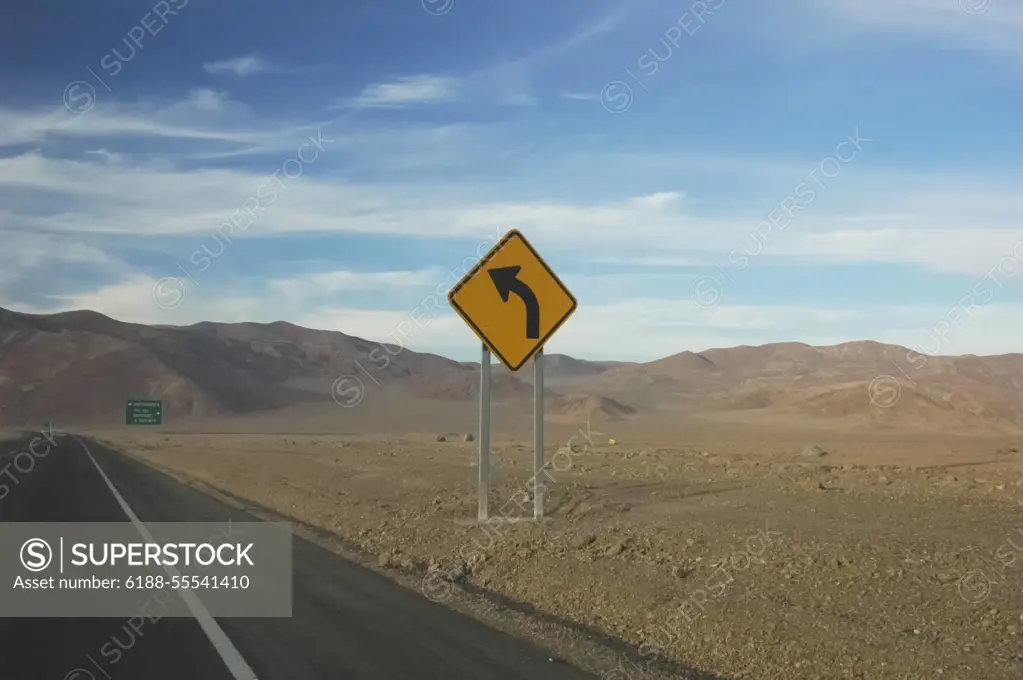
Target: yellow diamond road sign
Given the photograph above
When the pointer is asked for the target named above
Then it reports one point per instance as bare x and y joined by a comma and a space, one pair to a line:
512, 300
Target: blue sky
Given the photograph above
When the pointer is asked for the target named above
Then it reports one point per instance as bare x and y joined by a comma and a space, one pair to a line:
700, 174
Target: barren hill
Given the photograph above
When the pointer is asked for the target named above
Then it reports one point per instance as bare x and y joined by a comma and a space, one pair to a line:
578, 407
863, 383
81, 366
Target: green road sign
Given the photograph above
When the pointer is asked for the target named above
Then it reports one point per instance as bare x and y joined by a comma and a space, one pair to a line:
144, 412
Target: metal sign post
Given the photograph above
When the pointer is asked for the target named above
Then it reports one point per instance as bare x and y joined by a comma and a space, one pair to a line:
483, 512
514, 302
538, 486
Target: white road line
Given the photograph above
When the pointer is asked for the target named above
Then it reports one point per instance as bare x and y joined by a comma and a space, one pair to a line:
228, 652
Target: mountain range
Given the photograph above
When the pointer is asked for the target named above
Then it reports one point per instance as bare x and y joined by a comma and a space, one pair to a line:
81, 366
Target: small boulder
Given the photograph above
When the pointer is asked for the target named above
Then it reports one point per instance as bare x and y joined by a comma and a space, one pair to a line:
441, 438
580, 542
680, 571
814, 451
468, 437
615, 549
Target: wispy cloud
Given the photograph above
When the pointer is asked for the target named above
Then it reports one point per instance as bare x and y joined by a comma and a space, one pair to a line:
589, 31
405, 92
986, 24
510, 82
205, 99
203, 115
107, 156
939, 229
346, 280
242, 67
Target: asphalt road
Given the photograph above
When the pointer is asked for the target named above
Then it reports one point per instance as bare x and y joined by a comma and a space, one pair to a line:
348, 622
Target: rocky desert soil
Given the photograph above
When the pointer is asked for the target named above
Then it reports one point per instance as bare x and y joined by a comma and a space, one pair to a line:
761, 558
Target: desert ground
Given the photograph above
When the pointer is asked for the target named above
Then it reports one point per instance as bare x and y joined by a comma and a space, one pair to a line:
741, 552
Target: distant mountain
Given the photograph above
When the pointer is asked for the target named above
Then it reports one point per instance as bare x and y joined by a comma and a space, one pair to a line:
866, 382
81, 366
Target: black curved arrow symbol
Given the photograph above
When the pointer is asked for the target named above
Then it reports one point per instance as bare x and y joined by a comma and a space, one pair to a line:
506, 280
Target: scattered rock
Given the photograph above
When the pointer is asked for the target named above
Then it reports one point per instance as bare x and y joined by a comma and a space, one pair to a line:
679, 571
385, 560
580, 542
441, 438
461, 574
468, 437
613, 550
814, 451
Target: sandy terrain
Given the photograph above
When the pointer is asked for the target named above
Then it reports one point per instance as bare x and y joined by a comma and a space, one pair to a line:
735, 552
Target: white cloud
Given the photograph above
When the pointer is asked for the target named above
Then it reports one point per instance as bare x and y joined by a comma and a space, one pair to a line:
122, 200
203, 116
580, 96
585, 34
133, 300
243, 66
944, 248
107, 156
663, 199
405, 92
205, 99
346, 280
949, 228
993, 328
25, 250
509, 84
996, 26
